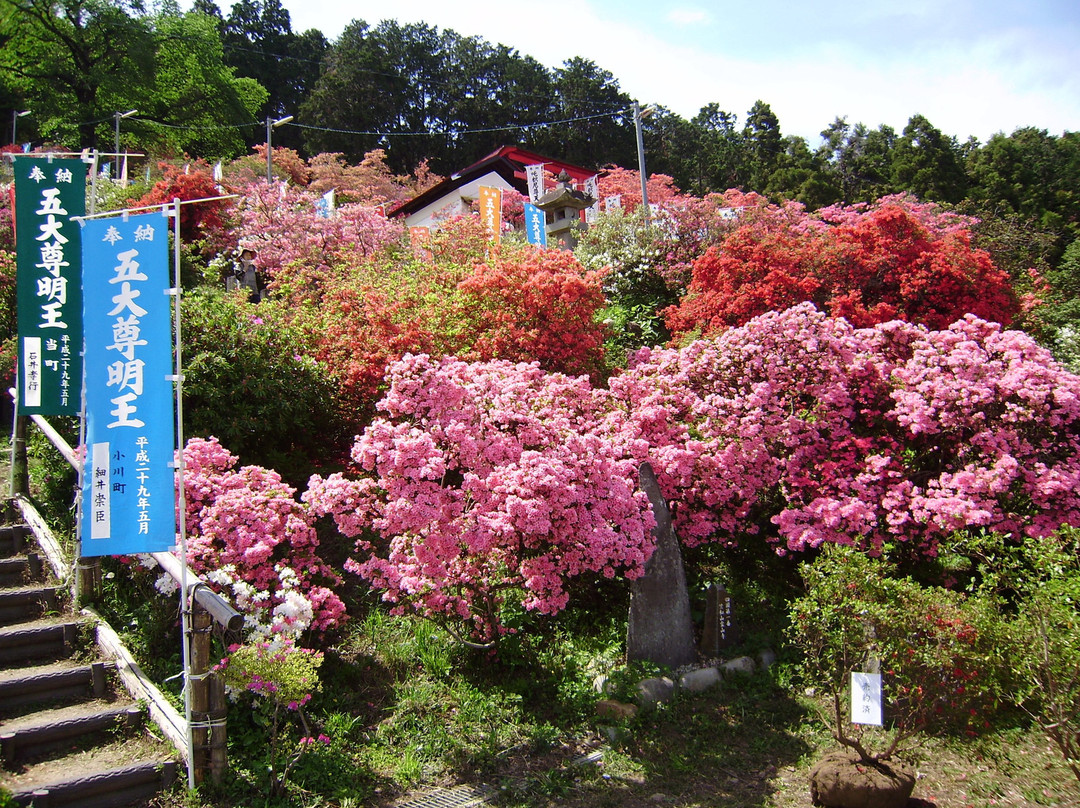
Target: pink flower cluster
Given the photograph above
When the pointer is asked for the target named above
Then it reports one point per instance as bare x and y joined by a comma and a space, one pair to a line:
855, 436
248, 522
281, 225
487, 480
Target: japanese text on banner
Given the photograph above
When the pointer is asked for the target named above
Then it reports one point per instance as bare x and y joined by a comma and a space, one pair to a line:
47, 195
128, 500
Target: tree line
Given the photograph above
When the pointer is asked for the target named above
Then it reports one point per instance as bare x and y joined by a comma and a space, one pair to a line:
204, 83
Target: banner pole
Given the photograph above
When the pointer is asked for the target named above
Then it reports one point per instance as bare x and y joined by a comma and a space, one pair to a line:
181, 516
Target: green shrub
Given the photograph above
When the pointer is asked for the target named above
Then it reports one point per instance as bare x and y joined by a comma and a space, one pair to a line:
939, 652
1037, 586
249, 381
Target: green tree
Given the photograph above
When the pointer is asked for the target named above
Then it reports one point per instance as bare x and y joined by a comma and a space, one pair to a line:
204, 106
491, 85
1029, 172
76, 62
928, 164
717, 150
602, 128
762, 146
858, 160
800, 176
260, 44
383, 81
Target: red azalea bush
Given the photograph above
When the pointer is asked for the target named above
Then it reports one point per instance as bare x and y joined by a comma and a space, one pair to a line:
871, 264
200, 221
521, 305
536, 305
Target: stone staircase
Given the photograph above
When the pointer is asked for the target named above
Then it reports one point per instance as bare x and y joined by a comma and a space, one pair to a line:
69, 733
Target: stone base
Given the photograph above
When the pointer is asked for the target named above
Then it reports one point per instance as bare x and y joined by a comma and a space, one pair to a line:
840, 780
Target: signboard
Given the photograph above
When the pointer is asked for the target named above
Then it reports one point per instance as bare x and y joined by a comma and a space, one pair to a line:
592, 188
534, 177
420, 241
47, 194
866, 698
491, 210
128, 488
535, 225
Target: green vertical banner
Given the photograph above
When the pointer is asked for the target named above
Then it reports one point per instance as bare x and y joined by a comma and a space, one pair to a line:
48, 193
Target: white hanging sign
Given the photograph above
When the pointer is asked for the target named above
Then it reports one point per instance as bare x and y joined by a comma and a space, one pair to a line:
866, 698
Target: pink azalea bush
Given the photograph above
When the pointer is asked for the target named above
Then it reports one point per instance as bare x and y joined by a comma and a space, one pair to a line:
256, 542
486, 481
294, 245
805, 428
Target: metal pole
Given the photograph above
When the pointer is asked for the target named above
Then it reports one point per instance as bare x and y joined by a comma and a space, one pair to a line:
269, 158
116, 141
15, 115
641, 161
181, 505
270, 124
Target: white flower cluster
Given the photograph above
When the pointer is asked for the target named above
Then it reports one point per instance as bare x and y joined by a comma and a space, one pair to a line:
265, 622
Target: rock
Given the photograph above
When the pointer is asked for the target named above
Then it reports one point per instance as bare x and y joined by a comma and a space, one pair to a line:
615, 710
651, 692
841, 780
765, 659
603, 685
743, 664
699, 680
660, 628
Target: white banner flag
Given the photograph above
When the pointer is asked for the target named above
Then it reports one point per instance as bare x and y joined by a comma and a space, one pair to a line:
534, 176
593, 190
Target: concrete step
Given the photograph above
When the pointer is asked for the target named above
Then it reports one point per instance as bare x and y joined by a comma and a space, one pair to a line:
20, 570
37, 686
13, 539
47, 730
24, 603
45, 639
120, 774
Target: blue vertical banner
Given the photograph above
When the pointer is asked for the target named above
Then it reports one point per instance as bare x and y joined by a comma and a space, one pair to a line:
128, 488
535, 225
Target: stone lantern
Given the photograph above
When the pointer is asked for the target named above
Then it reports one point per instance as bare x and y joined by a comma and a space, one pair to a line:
562, 207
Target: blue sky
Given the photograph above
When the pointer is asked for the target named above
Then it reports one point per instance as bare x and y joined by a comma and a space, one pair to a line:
972, 68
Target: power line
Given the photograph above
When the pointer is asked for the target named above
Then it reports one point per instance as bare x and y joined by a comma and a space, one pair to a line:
456, 132
429, 133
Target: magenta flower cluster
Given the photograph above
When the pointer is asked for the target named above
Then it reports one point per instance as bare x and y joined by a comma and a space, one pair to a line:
247, 522
808, 430
487, 479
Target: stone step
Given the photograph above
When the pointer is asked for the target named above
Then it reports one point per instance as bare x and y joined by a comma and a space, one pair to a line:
50, 683
24, 603
13, 539
106, 778
20, 570
50, 639
47, 730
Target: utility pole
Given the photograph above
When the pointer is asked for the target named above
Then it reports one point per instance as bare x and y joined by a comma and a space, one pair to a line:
119, 116
15, 115
639, 113
270, 125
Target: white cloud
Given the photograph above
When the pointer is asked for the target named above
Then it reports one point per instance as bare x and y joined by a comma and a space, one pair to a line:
689, 16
